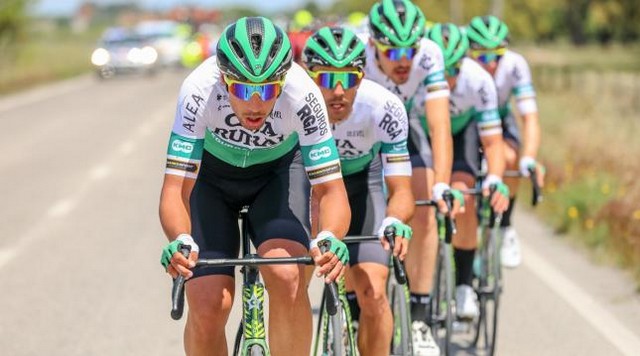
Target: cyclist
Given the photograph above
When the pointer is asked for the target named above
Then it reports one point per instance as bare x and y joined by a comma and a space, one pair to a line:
489, 39
249, 123
403, 61
370, 127
474, 113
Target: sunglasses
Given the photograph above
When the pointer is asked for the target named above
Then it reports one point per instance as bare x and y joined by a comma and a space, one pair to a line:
453, 70
330, 80
487, 56
396, 53
245, 91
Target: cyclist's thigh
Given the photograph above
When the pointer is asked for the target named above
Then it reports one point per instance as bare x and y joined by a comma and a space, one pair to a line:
281, 208
466, 146
368, 208
369, 279
214, 226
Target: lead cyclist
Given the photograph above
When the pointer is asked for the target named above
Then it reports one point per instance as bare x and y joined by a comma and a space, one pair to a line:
251, 129
370, 126
489, 39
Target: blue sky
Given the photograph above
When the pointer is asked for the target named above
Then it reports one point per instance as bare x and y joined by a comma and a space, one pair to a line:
66, 7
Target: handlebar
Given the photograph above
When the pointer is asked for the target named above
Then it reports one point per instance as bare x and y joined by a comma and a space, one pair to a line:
177, 291
398, 267
332, 295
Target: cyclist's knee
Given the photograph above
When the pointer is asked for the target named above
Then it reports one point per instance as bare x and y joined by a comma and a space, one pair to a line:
511, 157
210, 300
284, 282
373, 300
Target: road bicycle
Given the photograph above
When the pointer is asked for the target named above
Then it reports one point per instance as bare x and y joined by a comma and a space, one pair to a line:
251, 336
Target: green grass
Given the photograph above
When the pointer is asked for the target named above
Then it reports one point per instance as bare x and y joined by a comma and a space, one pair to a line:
591, 149
45, 57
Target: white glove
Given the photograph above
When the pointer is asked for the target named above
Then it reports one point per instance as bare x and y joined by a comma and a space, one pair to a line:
525, 163
186, 239
322, 235
491, 179
439, 189
386, 222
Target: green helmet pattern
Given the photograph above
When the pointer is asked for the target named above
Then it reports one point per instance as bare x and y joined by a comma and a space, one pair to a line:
452, 41
254, 49
487, 32
396, 23
334, 47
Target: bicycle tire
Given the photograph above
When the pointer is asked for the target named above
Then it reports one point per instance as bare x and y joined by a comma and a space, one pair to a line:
401, 341
489, 295
442, 304
335, 334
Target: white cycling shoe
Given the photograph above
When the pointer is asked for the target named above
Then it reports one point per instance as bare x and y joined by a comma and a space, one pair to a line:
466, 302
510, 254
423, 343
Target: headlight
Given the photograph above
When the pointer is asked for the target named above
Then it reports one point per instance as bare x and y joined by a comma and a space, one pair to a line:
148, 55
135, 55
100, 57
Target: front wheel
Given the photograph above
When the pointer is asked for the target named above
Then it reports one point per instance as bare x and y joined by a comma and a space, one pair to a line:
401, 341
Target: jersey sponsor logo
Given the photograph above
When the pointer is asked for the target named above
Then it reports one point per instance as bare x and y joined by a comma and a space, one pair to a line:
390, 126
355, 133
484, 96
347, 148
454, 110
312, 116
182, 146
426, 62
516, 73
320, 153
438, 87
190, 111
181, 166
324, 171
264, 137
398, 159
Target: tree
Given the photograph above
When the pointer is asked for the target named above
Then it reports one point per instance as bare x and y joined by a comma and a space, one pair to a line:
13, 20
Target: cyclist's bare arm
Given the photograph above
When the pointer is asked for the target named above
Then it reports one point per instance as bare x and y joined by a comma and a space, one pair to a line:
494, 151
334, 214
437, 111
401, 203
174, 205
531, 134
174, 217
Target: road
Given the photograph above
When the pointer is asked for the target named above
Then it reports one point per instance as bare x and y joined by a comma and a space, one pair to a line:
80, 238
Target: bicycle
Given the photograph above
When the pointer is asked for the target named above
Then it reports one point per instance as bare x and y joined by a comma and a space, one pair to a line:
488, 283
441, 313
251, 336
341, 324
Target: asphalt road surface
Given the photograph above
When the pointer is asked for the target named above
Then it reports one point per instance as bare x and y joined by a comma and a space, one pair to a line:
80, 238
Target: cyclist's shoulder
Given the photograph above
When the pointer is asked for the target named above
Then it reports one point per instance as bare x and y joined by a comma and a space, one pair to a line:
473, 73
513, 59
376, 98
204, 77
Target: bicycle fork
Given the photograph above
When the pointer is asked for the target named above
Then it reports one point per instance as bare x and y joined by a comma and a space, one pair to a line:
253, 314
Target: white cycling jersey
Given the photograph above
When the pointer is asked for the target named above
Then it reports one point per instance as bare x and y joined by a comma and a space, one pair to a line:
427, 73
205, 121
377, 123
513, 77
474, 98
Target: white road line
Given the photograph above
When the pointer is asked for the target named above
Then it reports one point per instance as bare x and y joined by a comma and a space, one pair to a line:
65, 206
615, 332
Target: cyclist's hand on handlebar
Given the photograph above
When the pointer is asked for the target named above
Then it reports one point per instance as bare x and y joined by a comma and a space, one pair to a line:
174, 262
500, 197
333, 262
401, 241
526, 164
458, 205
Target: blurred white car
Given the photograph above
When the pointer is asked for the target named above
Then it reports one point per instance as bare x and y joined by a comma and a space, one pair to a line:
121, 51
167, 37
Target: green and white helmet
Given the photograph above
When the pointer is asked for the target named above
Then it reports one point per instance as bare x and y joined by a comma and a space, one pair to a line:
254, 49
452, 41
487, 32
398, 23
334, 47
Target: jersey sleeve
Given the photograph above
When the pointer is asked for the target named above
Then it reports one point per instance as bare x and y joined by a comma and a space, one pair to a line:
523, 90
392, 130
486, 106
184, 154
319, 152
435, 83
